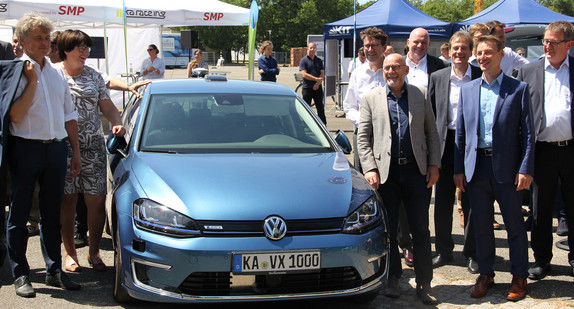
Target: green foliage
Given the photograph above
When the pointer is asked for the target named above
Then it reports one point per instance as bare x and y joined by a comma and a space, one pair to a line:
561, 6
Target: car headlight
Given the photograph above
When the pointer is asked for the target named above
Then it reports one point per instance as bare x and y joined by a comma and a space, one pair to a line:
158, 218
365, 218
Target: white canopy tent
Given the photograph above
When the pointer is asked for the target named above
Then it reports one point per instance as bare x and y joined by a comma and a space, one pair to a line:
104, 18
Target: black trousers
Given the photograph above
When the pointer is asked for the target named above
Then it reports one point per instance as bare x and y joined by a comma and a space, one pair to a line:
445, 192
30, 161
406, 184
317, 96
552, 163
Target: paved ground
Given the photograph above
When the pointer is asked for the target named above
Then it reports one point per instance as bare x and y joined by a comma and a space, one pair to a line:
451, 283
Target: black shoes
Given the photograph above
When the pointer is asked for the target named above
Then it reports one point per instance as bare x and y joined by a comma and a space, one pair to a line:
80, 240
24, 287
538, 271
393, 289
441, 259
424, 293
562, 229
61, 280
472, 266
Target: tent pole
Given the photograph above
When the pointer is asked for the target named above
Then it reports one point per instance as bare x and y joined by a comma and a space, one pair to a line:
106, 48
354, 33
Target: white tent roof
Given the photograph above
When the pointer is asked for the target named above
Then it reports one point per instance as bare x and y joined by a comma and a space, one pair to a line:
160, 12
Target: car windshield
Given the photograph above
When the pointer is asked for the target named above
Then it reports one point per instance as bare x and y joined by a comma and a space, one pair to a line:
231, 123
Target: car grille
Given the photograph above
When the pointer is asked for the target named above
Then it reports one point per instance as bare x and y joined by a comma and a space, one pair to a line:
227, 284
255, 228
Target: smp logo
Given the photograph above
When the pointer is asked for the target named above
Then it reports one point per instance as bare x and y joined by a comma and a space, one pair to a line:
340, 30
212, 16
71, 10
3, 7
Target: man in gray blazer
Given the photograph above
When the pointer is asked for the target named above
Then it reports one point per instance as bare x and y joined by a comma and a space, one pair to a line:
444, 90
551, 82
399, 151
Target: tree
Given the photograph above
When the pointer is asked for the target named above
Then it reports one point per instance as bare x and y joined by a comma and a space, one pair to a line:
561, 6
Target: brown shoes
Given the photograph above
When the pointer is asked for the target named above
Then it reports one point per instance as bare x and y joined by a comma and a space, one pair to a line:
483, 282
517, 289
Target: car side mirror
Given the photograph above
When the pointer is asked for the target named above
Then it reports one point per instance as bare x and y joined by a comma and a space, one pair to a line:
116, 144
343, 141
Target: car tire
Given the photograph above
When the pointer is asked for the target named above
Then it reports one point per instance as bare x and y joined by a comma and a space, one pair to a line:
120, 294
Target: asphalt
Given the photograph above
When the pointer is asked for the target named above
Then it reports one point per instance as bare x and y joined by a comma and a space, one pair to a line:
451, 284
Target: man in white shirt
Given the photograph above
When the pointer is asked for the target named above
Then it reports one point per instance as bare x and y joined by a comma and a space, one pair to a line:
551, 82
420, 63
511, 60
42, 116
361, 58
365, 79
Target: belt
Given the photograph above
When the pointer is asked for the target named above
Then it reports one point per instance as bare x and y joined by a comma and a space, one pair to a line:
42, 141
405, 161
560, 143
487, 152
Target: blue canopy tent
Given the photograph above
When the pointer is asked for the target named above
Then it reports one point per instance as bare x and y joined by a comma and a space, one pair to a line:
515, 12
397, 18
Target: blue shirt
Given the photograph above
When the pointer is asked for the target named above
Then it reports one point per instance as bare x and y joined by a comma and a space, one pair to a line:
312, 66
269, 66
488, 98
401, 146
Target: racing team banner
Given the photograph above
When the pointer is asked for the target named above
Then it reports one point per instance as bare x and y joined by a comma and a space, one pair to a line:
163, 12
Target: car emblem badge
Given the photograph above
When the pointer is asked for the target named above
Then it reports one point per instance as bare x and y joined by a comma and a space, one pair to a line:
275, 228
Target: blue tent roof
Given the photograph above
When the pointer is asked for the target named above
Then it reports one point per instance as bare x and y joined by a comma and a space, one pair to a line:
514, 12
396, 17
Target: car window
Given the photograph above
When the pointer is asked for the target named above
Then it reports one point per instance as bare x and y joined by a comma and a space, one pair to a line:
203, 123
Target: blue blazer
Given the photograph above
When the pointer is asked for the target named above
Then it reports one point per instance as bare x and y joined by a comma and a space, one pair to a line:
512, 131
10, 73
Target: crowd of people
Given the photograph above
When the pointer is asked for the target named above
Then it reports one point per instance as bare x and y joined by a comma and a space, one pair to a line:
472, 121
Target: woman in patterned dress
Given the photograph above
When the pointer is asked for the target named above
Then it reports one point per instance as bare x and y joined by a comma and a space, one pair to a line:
89, 93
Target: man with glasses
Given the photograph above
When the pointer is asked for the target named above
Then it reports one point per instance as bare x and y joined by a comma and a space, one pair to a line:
364, 79
551, 82
399, 151
420, 63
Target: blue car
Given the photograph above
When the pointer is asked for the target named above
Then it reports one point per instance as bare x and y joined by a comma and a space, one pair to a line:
227, 190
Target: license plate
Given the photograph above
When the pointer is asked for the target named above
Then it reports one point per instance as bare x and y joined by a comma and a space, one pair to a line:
272, 262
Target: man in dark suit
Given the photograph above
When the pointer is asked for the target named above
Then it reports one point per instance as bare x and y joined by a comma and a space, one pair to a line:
444, 90
421, 64
399, 151
551, 81
494, 160
6, 52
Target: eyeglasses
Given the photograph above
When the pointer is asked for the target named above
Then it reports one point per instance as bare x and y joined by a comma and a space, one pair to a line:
371, 46
83, 48
552, 43
395, 67
150, 49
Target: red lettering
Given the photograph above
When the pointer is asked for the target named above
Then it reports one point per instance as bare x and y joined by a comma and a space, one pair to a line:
70, 10
212, 16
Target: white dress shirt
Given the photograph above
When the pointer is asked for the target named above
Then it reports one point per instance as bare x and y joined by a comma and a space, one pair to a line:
557, 103
363, 80
52, 104
157, 63
454, 94
418, 72
352, 65
511, 61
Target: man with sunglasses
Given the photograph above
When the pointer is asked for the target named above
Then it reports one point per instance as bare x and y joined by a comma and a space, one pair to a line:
399, 150
551, 81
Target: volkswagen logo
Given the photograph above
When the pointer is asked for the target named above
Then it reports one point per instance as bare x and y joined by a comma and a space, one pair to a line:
275, 228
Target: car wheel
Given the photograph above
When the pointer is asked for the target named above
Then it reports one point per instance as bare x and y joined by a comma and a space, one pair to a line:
120, 293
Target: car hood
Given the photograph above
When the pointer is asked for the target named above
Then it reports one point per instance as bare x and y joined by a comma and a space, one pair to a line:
248, 186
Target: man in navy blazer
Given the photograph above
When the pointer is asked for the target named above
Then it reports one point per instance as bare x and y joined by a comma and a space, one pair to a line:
494, 160
551, 82
444, 90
